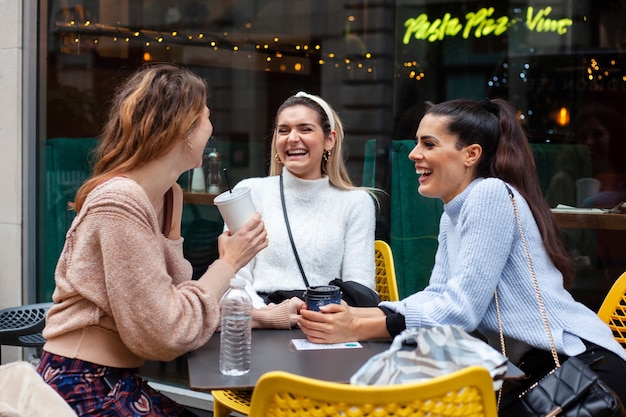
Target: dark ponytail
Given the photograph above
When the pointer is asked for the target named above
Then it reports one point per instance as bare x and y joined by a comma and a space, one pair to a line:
514, 163
506, 155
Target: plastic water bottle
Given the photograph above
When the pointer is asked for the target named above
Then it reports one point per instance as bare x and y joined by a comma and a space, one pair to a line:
235, 337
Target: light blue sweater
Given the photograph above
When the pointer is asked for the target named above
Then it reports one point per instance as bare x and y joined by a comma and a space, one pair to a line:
480, 248
333, 231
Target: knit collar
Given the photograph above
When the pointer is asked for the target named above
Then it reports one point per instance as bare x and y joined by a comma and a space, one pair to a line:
304, 189
454, 206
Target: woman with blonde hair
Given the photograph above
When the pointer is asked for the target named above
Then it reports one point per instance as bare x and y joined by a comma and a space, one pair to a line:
332, 221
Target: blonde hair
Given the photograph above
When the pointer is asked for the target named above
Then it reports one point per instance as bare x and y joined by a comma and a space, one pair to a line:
334, 167
152, 111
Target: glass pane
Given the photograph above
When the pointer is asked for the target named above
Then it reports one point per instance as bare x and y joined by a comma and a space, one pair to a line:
253, 54
379, 63
560, 64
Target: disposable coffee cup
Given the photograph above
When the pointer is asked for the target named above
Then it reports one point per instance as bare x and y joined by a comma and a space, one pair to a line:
236, 207
586, 189
315, 297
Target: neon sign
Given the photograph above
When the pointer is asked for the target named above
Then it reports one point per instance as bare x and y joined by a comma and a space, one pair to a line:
480, 23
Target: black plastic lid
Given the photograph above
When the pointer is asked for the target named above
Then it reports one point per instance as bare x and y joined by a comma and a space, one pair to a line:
323, 291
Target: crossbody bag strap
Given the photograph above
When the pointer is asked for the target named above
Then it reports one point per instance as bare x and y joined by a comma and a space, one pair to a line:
293, 245
542, 308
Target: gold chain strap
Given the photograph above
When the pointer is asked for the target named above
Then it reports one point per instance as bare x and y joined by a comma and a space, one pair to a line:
502, 345
542, 309
544, 315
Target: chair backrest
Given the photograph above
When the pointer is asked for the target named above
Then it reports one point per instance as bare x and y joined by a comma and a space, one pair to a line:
386, 284
22, 325
613, 310
468, 392
414, 219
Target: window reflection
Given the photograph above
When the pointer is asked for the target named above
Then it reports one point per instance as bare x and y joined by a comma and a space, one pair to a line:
558, 63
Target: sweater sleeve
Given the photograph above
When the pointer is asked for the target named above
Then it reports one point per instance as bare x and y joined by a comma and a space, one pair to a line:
274, 316
469, 265
155, 318
358, 258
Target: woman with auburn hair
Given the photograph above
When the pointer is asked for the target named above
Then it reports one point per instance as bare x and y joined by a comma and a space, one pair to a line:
124, 292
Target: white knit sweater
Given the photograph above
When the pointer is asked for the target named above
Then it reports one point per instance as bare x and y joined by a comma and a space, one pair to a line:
333, 231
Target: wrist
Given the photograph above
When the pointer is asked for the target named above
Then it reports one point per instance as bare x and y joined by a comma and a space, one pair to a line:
359, 329
274, 316
368, 328
231, 262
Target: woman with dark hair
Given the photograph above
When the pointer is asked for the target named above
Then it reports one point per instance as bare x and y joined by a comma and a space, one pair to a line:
467, 154
124, 292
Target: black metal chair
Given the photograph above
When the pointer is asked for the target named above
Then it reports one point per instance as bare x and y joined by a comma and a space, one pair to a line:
22, 325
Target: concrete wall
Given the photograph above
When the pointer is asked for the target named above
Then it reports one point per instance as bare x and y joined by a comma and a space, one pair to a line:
11, 22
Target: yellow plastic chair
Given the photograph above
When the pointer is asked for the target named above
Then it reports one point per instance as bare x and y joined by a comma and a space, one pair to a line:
227, 401
613, 310
465, 393
386, 284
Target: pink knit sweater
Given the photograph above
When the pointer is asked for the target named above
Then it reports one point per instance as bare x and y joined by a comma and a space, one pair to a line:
123, 290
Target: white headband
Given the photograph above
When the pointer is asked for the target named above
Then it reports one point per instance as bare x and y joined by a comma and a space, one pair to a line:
324, 106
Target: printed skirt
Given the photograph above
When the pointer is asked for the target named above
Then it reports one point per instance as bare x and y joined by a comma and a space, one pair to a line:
96, 390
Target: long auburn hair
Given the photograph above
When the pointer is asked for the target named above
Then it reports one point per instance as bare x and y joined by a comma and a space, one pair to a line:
506, 155
153, 110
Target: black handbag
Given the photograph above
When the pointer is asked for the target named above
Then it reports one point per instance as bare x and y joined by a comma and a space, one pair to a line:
353, 293
570, 389
356, 294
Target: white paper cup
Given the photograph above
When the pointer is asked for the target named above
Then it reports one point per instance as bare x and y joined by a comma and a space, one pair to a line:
236, 207
586, 188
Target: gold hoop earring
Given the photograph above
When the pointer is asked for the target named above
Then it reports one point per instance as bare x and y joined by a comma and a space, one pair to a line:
467, 169
189, 145
326, 155
277, 158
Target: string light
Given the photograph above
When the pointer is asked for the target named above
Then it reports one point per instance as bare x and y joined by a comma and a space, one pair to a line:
87, 35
